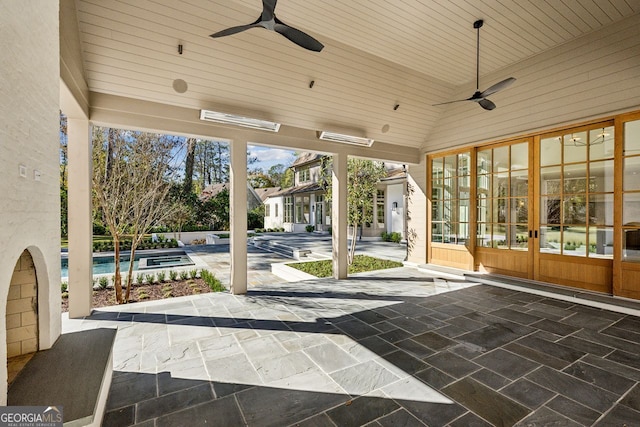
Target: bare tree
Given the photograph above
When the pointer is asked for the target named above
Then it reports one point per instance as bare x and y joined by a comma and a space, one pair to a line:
133, 194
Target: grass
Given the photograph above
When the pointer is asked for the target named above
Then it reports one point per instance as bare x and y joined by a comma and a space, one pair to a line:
361, 263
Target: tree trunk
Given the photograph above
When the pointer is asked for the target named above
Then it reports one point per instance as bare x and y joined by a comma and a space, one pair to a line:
111, 143
187, 186
117, 282
130, 272
352, 246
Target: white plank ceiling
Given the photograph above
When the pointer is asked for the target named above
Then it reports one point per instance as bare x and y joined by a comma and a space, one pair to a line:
378, 53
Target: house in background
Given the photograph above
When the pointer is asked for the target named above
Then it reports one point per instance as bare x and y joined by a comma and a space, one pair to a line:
305, 203
253, 199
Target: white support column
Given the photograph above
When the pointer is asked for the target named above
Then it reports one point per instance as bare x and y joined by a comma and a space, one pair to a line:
238, 217
80, 217
339, 216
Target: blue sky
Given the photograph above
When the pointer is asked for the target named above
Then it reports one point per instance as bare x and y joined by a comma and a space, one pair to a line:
268, 156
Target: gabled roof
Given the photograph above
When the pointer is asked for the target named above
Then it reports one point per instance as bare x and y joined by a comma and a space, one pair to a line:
263, 193
306, 158
305, 188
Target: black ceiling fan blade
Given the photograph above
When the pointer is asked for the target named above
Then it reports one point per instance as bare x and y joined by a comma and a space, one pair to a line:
498, 87
486, 104
449, 102
298, 37
268, 9
235, 30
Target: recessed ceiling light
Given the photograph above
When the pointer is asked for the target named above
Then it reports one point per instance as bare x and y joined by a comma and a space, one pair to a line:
180, 86
345, 139
232, 119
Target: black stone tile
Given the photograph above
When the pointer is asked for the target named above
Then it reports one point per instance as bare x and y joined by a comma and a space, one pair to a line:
434, 341
209, 413
619, 416
603, 379
357, 329
544, 314
384, 326
435, 378
414, 349
266, 406
377, 345
632, 399
515, 316
573, 388
400, 418
451, 331
485, 402
629, 323
537, 356
411, 325
585, 346
545, 417
371, 424
466, 323
432, 321
494, 336
149, 423
320, 420
452, 364
629, 359
189, 320
625, 334
469, 420
468, 351
555, 327
524, 297
408, 309
370, 316
548, 311
163, 405
608, 340
529, 394
433, 414
225, 389
127, 390
556, 303
406, 362
506, 363
589, 321
119, 417
558, 351
453, 309
490, 378
168, 384
572, 409
395, 335
611, 366
361, 410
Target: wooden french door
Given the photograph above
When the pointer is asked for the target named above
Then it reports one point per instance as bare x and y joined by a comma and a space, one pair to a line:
505, 232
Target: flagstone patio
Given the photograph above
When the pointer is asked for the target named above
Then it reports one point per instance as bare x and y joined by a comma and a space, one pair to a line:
399, 347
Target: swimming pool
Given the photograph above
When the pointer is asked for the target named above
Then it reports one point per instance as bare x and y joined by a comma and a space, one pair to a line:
103, 264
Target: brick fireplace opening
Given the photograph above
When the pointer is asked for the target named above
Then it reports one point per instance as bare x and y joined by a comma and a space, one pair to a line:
22, 316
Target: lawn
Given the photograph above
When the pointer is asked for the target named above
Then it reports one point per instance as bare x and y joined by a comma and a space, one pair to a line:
361, 263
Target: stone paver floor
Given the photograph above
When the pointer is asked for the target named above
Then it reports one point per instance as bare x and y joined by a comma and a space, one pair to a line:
399, 347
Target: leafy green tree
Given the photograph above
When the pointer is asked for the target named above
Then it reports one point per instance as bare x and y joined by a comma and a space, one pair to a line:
362, 179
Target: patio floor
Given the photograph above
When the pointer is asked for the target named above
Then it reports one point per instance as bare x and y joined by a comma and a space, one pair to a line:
402, 347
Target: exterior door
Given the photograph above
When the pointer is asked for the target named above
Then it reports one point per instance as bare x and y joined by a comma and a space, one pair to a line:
505, 234
319, 213
574, 221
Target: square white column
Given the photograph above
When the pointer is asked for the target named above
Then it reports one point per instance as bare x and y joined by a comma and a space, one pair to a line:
238, 217
339, 216
80, 227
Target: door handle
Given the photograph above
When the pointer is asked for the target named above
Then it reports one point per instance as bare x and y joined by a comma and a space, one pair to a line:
536, 234
530, 234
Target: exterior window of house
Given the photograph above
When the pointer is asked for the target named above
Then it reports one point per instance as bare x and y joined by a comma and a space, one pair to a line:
380, 208
288, 209
302, 210
576, 193
304, 175
450, 181
276, 210
631, 193
266, 210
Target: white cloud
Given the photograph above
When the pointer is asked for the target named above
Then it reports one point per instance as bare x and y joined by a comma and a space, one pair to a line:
265, 154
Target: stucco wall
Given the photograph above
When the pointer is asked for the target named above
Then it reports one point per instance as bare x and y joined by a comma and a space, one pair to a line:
417, 213
29, 123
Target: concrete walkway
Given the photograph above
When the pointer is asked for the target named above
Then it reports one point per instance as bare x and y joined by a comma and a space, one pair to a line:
394, 347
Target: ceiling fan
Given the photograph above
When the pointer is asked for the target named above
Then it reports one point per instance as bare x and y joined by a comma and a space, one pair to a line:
481, 97
269, 21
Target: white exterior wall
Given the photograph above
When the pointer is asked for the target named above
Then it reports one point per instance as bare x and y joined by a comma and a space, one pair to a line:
29, 124
395, 217
417, 213
273, 221
591, 77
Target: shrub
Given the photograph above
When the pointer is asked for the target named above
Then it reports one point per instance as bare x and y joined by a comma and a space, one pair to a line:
162, 276
396, 237
184, 275
99, 229
309, 228
212, 281
140, 278
103, 282
150, 278
64, 286
193, 273
385, 236
143, 295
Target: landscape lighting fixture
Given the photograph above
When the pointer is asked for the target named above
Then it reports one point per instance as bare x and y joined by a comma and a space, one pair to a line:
345, 139
232, 119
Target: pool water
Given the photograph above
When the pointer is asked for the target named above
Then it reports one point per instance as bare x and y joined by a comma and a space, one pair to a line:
105, 264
